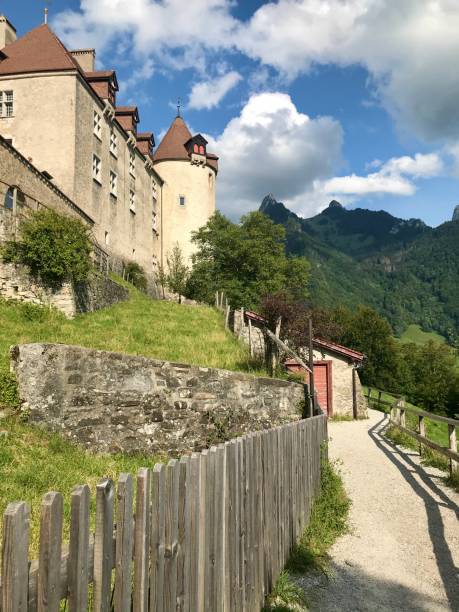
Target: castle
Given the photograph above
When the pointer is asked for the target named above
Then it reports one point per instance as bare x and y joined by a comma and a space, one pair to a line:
60, 114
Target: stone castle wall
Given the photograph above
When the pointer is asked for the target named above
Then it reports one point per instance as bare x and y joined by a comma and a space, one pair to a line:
111, 402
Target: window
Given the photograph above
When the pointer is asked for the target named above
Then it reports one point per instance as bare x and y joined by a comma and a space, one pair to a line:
97, 125
132, 164
107, 238
132, 201
195, 148
96, 169
154, 221
113, 143
113, 183
6, 104
9, 199
201, 150
182, 200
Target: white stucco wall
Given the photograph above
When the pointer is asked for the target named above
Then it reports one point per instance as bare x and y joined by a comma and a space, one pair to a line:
197, 184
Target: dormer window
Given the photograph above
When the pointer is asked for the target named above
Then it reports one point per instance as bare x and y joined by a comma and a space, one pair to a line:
196, 145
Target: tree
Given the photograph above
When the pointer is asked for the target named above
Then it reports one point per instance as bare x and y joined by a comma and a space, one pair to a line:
54, 247
161, 277
177, 272
136, 275
247, 261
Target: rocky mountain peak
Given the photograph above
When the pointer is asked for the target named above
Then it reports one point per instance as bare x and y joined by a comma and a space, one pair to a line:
456, 213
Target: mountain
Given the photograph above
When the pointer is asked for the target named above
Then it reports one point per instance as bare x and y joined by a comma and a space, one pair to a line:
456, 214
404, 269
359, 233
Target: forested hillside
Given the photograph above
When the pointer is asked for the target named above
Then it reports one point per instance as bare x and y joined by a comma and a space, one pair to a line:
404, 269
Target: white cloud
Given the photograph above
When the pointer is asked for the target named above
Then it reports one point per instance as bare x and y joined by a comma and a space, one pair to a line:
271, 147
409, 48
209, 94
395, 177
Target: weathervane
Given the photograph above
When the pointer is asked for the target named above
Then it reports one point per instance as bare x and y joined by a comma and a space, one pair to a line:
178, 107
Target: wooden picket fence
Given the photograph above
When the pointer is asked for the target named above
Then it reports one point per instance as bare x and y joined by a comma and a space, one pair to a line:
210, 532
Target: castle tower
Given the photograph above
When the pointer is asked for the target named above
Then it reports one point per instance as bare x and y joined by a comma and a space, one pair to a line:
189, 173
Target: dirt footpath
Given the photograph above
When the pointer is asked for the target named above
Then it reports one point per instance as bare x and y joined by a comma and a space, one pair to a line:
403, 552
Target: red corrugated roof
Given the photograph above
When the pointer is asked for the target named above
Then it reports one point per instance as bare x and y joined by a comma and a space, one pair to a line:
338, 348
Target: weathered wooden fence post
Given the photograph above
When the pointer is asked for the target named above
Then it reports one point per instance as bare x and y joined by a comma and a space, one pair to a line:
453, 465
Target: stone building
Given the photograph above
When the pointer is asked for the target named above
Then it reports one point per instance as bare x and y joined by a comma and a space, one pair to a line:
336, 378
61, 114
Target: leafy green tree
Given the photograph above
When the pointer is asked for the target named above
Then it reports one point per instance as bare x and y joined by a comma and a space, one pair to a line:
432, 379
247, 261
177, 272
54, 247
366, 331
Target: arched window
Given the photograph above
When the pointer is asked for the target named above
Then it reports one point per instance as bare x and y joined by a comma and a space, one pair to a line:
195, 148
201, 150
9, 199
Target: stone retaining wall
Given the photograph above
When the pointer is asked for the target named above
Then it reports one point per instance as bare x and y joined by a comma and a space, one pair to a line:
112, 402
97, 292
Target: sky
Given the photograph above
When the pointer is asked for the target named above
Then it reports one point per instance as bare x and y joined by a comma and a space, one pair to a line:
311, 100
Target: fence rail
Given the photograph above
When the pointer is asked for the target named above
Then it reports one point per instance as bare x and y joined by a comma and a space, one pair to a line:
398, 418
208, 533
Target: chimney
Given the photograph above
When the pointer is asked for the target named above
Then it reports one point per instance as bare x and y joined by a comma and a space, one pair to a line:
7, 32
86, 58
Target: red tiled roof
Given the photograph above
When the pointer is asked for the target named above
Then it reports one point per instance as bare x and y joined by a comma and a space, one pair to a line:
37, 51
172, 146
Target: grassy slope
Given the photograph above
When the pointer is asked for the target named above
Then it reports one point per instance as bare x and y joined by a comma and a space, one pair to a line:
413, 333
165, 330
32, 461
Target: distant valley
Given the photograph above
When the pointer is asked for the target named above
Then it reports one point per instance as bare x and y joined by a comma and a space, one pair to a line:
406, 270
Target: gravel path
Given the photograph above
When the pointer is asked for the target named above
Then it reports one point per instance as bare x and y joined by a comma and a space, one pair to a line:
403, 551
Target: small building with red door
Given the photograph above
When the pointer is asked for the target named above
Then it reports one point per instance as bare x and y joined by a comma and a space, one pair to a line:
336, 379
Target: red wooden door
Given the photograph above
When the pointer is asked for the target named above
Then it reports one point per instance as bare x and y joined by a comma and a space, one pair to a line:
322, 385
322, 381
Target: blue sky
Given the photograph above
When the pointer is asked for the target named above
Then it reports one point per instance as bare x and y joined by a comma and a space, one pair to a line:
308, 99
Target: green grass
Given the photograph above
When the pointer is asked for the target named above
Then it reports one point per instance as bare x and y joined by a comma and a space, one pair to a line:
33, 462
328, 522
140, 326
413, 333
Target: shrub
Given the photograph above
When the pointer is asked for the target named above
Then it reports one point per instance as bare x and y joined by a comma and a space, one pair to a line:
9, 397
136, 275
55, 248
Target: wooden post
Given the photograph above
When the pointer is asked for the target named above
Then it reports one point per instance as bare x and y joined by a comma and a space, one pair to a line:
15, 565
241, 329
379, 398
354, 393
216, 299
250, 338
311, 370
402, 413
103, 546
369, 397
49, 564
227, 315
453, 465
79, 549
422, 430
142, 540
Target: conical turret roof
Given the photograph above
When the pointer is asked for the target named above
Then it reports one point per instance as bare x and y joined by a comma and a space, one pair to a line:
172, 146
